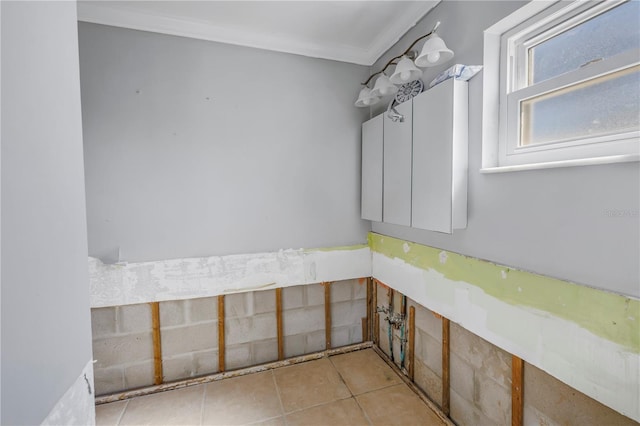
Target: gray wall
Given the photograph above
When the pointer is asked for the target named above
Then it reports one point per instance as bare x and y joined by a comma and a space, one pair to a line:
197, 148
553, 222
46, 336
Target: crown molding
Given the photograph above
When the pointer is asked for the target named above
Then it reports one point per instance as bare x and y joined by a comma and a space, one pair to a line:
101, 13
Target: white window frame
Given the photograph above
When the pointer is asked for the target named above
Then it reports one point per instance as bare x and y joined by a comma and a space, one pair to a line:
504, 90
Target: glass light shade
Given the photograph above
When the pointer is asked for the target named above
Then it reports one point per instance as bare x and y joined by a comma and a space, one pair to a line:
366, 98
405, 71
434, 52
383, 87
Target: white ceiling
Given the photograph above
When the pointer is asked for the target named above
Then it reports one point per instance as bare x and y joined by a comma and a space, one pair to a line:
350, 31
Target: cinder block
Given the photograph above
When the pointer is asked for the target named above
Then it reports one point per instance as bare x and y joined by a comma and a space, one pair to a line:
316, 342
134, 318
359, 287
481, 355
264, 326
206, 362
347, 313
236, 305
355, 334
111, 351
341, 291
461, 377
194, 337
103, 322
238, 330
108, 380
238, 356
427, 380
315, 294
202, 309
339, 336
533, 417
292, 297
139, 375
428, 322
178, 367
303, 320
264, 351
294, 345
564, 404
264, 301
464, 413
244, 330
429, 351
172, 313
384, 336
492, 399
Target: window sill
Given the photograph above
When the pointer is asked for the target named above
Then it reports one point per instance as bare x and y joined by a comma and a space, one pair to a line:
564, 163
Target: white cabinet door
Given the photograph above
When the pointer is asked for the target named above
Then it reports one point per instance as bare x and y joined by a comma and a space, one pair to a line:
372, 149
439, 187
397, 168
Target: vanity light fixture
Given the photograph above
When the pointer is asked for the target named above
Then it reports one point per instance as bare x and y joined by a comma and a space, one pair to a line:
434, 52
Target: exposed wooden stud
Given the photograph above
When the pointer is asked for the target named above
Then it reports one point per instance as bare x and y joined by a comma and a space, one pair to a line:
157, 344
279, 323
374, 307
412, 341
445, 367
221, 348
364, 329
369, 310
327, 313
517, 391
119, 396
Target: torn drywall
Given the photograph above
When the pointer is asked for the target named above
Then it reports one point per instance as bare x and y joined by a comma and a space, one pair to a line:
76, 407
176, 279
585, 337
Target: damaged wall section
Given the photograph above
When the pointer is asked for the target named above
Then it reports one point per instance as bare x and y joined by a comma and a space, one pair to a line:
123, 345
480, 377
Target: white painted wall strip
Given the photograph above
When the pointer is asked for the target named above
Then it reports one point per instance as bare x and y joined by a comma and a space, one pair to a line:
77, 405
176, 279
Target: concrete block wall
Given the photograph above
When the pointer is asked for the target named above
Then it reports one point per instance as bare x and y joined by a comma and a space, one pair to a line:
123, 345
480, 377
549, 402
428, 356
189, 338
250, 329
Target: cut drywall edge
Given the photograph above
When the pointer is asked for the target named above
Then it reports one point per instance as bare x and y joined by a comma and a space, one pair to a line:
177, 279
608, 315
77, 405
602, 368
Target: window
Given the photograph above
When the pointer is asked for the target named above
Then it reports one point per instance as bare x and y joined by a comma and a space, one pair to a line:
562, 86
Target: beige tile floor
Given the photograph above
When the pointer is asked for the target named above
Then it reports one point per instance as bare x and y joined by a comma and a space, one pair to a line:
357, 388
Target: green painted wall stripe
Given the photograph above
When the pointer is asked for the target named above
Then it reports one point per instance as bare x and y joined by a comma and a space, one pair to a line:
611, 316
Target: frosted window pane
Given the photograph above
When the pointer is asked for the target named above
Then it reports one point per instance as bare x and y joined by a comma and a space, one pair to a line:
602, 106
608, 34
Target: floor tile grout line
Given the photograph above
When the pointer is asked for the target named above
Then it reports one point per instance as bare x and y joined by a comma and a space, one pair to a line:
342, 379
320, 404
364, 413
122, 412
204, 398
275, 382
